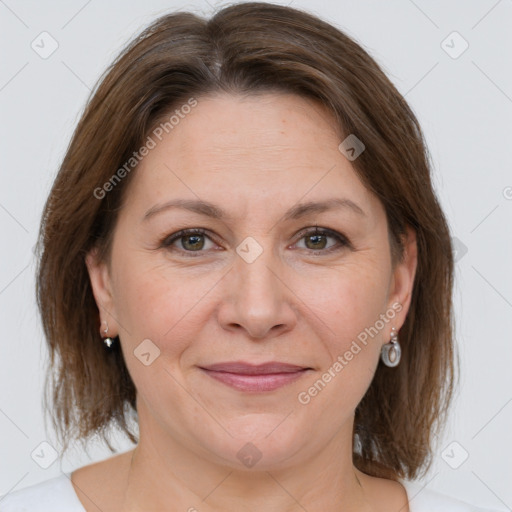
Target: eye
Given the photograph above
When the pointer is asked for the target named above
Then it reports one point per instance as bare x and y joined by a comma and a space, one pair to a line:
190, 240
316, 240
196, 240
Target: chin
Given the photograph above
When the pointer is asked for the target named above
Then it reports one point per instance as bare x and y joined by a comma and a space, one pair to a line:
258, 442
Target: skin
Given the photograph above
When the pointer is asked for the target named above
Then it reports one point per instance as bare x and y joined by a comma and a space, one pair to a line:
255, 157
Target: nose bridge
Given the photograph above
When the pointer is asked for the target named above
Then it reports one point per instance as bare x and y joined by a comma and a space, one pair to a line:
259, 299
255, 271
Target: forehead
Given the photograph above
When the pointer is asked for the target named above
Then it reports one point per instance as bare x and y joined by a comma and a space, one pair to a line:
259, 150
266, 127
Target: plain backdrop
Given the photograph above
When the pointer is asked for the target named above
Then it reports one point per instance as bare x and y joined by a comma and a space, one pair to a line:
458, 84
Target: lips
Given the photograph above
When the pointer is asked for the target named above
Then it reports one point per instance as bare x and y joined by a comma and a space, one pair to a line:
250, 369
248, 377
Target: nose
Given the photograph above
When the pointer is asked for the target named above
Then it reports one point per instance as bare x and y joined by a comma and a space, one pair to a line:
257, 298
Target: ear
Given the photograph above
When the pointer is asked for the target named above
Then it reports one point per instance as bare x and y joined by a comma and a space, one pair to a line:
101, 284
402, 280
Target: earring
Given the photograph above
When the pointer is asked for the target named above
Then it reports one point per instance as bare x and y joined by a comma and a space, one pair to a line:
391, 352
108, 341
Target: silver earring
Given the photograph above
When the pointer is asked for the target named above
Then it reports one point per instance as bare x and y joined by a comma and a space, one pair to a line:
391, 352
108, 341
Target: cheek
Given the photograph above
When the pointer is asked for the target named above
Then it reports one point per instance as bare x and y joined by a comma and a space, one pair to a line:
160, 304
150, 306
350, 305
350, 301
142, 306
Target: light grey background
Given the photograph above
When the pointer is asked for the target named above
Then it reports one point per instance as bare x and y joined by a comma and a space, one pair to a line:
465, 107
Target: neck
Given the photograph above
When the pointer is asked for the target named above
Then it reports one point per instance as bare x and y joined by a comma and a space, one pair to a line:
169, 476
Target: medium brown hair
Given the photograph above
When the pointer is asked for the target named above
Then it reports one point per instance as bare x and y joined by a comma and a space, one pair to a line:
247, 48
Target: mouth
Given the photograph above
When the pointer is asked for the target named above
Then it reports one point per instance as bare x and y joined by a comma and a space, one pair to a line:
255, 378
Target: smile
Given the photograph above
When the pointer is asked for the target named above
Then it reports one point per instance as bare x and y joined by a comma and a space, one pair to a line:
267, 382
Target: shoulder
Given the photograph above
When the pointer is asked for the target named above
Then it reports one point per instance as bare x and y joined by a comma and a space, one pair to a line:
52, 495
422, 499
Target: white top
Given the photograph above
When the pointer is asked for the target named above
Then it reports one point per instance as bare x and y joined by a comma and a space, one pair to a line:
58, 495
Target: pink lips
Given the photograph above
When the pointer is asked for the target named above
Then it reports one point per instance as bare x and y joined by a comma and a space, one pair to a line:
247, 377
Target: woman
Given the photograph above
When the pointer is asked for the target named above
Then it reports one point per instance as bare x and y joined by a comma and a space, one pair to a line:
244, 249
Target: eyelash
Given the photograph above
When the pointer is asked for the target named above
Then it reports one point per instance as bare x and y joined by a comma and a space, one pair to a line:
167, 242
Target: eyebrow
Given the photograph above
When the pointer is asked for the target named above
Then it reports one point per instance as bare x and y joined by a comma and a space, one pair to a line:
216, 212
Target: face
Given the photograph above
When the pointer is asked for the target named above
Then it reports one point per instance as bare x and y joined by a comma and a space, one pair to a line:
290, 263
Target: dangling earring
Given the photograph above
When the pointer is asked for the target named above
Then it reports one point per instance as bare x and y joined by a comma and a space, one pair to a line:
391, 352
108, 341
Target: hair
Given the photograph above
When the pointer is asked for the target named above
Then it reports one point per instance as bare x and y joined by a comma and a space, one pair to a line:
247, 49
